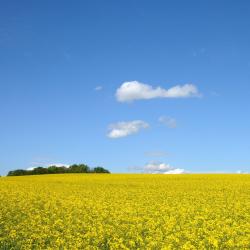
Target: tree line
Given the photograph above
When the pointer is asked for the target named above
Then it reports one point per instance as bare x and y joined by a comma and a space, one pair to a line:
75, 168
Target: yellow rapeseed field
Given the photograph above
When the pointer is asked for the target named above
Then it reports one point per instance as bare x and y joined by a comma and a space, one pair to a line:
125, 211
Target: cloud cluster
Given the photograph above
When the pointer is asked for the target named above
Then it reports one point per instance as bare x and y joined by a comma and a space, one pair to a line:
134, 90
168, 121
162, 168
122, 129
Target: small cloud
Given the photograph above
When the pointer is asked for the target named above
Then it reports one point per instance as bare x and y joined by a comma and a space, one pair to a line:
168, 121
30, 169
194, 53
98, 88
134, 90
155, 167
241, 172
162, 168
199, 52
58, 165
123, 129
156, 154
176, 171
214, 93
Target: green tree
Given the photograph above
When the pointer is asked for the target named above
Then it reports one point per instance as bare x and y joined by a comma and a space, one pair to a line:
79, 168
39, 170
56, 170
100, 170
75, 168
17, 172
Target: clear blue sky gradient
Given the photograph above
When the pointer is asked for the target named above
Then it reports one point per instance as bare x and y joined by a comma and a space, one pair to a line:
54, 53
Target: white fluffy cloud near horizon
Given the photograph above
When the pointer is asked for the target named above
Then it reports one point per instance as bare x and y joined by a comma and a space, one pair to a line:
134, 90
123, 129
162, 168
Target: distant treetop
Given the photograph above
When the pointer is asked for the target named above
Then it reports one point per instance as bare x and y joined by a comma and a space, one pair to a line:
75, 168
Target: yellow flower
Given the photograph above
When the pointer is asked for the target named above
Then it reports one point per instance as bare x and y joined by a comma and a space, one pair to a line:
125, 211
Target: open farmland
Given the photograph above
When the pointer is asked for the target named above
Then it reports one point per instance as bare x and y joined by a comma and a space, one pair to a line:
125, 211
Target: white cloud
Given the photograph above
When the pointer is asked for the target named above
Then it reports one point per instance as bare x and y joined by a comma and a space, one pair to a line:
241, 172
156, 154
162, 168
58, 165
176, 171
98, 88
168, 121
31, 168
122, 129
134, 90
157, 167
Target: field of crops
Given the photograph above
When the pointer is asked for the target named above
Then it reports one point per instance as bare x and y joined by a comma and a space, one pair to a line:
136, 211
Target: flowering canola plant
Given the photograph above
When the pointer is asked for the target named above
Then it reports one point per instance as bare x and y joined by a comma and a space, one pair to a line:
125, 211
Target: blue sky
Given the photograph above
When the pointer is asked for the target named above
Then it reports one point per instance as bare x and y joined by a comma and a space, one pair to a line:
53, 55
